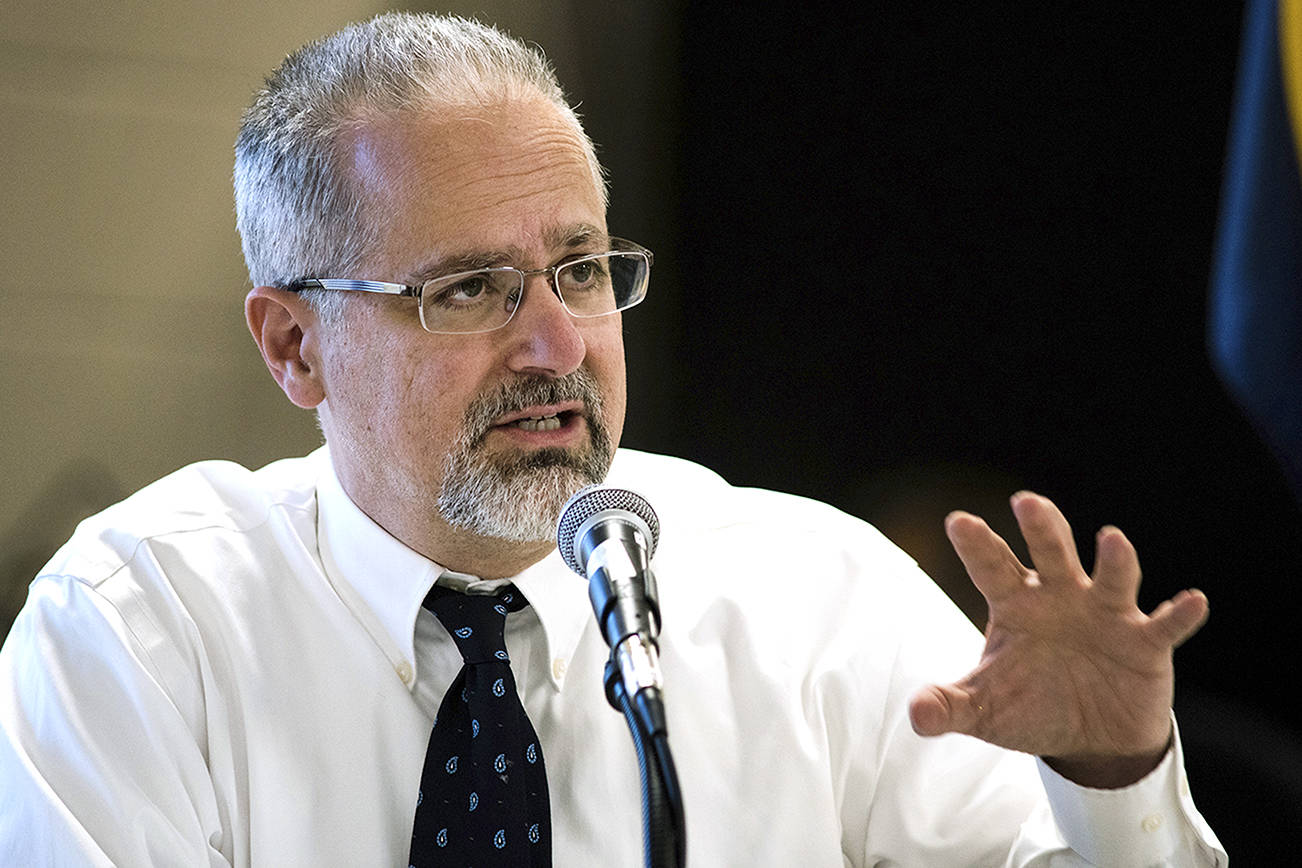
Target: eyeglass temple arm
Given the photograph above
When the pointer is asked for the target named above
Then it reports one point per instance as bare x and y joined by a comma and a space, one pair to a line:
355, 285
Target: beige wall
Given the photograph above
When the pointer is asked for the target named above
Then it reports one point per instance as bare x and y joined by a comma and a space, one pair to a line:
123, 350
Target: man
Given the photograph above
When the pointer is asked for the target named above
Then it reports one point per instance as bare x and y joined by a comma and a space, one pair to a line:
235, 667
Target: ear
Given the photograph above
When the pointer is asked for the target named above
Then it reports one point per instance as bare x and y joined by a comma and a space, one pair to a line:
285, 328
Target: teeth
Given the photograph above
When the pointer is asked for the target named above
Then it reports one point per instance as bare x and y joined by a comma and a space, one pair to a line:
540, 423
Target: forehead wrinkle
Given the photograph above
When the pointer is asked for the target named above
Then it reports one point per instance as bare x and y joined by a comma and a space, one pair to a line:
515, 185
510, 164
510, 196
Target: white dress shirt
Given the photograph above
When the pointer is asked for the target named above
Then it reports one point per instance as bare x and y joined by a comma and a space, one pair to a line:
233, 668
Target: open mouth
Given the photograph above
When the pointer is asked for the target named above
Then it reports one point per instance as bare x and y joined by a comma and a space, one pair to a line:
541, 423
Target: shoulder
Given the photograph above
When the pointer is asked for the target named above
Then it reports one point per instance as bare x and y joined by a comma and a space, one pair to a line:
783, 531
144, 584
202, 500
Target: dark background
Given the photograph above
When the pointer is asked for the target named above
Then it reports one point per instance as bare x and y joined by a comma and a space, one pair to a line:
912, 258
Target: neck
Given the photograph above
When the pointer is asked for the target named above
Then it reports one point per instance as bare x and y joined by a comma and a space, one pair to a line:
488, 558
461, 550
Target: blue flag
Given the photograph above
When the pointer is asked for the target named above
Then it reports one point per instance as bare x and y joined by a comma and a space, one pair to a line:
1255, 309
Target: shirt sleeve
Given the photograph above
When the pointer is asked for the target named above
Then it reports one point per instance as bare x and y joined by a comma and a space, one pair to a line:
954, 800
99, 764
1150, 822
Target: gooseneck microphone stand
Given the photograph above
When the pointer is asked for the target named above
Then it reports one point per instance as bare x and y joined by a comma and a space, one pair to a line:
664, 835
607, 535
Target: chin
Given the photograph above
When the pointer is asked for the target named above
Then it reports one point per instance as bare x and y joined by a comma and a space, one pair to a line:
519, 498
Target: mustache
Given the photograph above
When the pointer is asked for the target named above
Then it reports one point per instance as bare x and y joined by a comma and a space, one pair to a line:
514, 395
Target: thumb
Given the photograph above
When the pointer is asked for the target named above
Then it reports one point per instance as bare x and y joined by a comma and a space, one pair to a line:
937, 709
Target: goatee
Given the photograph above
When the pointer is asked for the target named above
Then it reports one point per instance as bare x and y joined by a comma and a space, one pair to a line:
517, 497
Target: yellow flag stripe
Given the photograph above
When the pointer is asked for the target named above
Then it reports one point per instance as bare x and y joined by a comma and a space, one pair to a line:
1290, 63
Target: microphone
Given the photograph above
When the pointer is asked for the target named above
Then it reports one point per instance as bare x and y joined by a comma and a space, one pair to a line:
608, 535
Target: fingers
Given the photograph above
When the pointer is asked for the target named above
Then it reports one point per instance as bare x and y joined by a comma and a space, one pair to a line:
1048, 537
1116, 568
994, 569
1178, 618
937, 709
997, 572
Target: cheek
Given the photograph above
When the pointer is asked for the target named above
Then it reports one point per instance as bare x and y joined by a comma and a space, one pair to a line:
429, 398
391, 389
605, 359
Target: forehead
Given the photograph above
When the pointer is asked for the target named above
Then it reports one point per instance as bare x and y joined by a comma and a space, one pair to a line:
511, 175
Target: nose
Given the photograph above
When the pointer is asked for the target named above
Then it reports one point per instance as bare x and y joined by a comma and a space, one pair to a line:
544, 337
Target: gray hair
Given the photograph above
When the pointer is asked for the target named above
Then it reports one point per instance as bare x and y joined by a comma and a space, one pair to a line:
298, 210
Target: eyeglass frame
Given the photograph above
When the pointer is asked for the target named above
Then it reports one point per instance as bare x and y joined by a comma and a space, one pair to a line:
416, 291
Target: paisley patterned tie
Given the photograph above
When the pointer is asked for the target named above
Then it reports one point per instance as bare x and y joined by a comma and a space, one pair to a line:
483, 793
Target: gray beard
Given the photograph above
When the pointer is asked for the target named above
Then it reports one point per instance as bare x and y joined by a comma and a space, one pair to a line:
518, 497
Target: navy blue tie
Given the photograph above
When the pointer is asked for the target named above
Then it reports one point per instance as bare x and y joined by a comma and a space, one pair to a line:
483, 793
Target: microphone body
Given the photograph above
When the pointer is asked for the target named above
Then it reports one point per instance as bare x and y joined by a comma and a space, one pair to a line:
608, 536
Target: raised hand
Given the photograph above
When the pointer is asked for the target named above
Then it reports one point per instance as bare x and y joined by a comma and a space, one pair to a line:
1072, 669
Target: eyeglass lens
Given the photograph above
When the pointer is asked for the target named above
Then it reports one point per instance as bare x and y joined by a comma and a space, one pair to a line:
485, 299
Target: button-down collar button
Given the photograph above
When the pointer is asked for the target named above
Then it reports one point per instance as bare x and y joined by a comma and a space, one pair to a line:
1151, 823
558, 668
404, 672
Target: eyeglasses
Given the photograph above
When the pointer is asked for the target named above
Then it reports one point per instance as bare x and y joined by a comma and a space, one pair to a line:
483, 300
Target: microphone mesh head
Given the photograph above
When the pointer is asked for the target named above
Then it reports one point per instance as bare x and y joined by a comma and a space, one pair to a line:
591, 500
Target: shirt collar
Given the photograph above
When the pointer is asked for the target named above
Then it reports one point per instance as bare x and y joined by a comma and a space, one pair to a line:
559, 597
383, 582
380, 579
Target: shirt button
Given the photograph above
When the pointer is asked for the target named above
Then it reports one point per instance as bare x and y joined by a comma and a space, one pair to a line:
558, 668
1151, 823
404, 671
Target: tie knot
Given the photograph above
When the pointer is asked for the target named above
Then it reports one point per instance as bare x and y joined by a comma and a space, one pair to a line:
476, 622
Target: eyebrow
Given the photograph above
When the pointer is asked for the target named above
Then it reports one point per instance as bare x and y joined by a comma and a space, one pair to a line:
566, 238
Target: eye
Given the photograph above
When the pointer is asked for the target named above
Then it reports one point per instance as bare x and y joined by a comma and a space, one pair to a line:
581, 272
467, 290
583, 275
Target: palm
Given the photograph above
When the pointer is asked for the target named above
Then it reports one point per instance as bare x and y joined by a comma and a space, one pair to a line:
1072, 669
